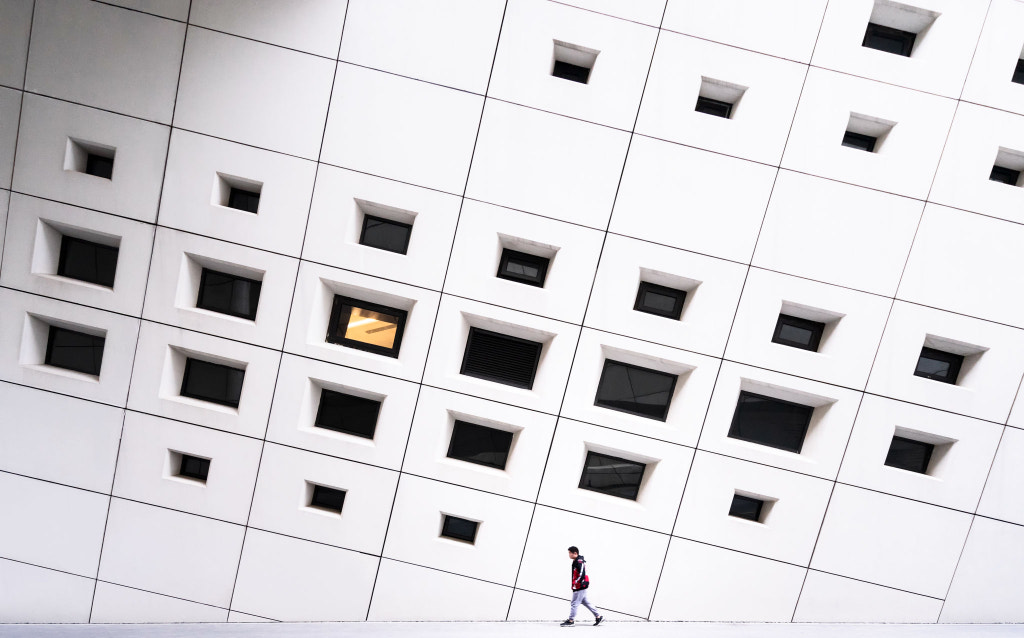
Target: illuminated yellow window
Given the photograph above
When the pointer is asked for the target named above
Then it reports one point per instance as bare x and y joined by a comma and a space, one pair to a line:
366, 326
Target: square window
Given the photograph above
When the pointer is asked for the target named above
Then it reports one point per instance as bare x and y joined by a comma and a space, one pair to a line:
636, 390
908, 454
1018, 72
523, 267
571, 72
99, 165
73, 350
194, 467
859, 141
242, 199
1004, 175
347, 413
212, 382
501, 358
938, 365
385, 234
888, 39
327, 498
573, 62
366, 326
798, 333
228, 294
770, 421
612, 475
459, 528
746, 507
479, 444
718, 108
87, 261
659, 300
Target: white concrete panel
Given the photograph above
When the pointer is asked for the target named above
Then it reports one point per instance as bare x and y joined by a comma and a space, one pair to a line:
414, 534
402, 129
170, 9
314, 27
449, 43
10, 118
38, 595
827, 598
216, 93
285, 488
643, 11
5, 199
38, 532
547, 164
293, 579
14, 33
436, 596
123, 61
172, 553
623, 562
997, 52
828, 231
713, 584
890, 541
527, 605
687, 198
1002, 488
988, 576
484, 233
41, 441
46, 131
117, 604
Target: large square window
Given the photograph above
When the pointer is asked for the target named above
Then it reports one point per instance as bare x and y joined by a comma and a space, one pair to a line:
73, 350
228, 294
347, 413
385, 234
366, 326
480, 444
746, 507
888, 39
798, 333
612, 475
501, 358
99, 165
908, 454
244, 200
460, 529
327, 498
523, 267
212, 382
938, 365
87, 261
770, 421
636, 390
659, 300
194, 467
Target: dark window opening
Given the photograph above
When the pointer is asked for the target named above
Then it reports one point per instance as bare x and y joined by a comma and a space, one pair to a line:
718, 108
366, 326
385, 234
73, 350
241, 199
87, 261
327, 498
1018, 72
523, 267
1004, 175
194, 467
659, 300
771, 422
346, 413
212, 382
746, 507
938, 365
459, 528
889, 39
571, 72
501, 358
612, 475
228, 294
479, 444
636, 390
99, 166
798, 333
859, 141
908, 454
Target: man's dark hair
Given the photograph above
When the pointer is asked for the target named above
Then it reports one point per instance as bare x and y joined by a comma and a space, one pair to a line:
574, 549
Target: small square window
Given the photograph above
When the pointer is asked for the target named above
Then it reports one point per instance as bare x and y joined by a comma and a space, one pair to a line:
242, 199
612, 475
746, 507
798, 333
89, 158
888, 39
571, 72
212, 382
859, 141
636, 390
1004, 175
718, 108
770, 421
659, 300
1018, 72
228, 294
523, 267
87, 261
501, 358
385, 234
194, 467
908, 454
327, 498
459, 528
366, 326
99, 166
479, 444
347, 413
573, 62
73, 350
938, 365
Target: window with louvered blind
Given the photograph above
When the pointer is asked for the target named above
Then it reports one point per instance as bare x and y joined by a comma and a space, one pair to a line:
501, 358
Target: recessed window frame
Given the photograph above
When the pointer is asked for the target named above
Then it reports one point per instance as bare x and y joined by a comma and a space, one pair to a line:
474, 331
733, 432
743, 507
632, 491
894, 462
876, 32
338, 315
713, 107
247, 201
1004, 175
195, 468
610, 364
859, 141
383, 221
99, 165
67, 243
254, 284
817, 329
320, 419
449, 530
190, 363
54, 333
465, 428
955, 361
323, 498
509, 256
646, 287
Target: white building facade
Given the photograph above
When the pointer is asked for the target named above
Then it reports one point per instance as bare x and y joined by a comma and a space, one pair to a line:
722, 292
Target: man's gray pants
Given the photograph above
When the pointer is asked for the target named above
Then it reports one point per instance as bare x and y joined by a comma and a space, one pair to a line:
580, 597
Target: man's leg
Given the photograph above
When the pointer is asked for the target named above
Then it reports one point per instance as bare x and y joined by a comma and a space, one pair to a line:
586, 603
577, 596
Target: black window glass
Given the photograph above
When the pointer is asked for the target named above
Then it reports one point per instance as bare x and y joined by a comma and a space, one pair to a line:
889, 39
327, 498
501, 358
629, 388
1004, 175
479, 444
769, 421
239, 198
938, 365
523, 267
194, 467
1018, 72
228, 294
366, 326
858, 141
571, 72
73, 350
717, 108
385, 234
659, 300
746, 507
212, 382
99, 166
346, 413
87, 261
459, 529
612, 475
798, 332
910, 455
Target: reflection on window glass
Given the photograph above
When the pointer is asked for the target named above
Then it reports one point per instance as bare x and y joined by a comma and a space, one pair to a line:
375, 328
366, 326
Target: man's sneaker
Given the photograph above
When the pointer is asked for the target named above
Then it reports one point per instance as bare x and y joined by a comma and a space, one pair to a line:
597, 621
568, 623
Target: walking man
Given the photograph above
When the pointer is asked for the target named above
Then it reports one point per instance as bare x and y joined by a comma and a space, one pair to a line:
580, 583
